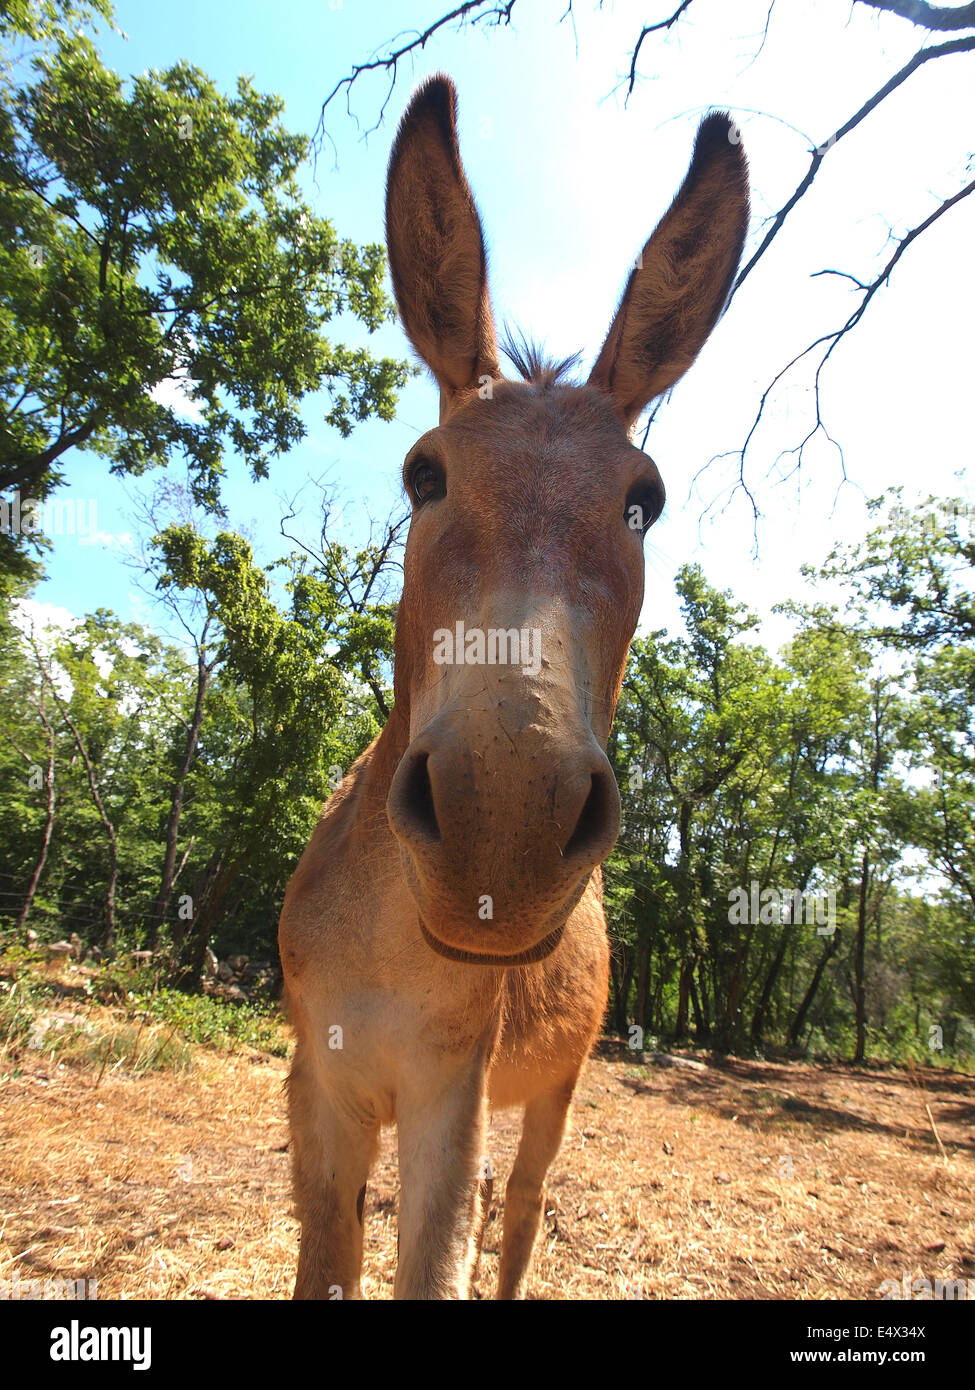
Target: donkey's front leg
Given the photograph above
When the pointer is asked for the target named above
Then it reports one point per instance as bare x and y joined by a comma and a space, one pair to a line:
524, 1199
441, 1131
332, 1152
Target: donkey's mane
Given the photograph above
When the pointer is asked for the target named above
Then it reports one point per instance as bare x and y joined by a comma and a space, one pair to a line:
531, 363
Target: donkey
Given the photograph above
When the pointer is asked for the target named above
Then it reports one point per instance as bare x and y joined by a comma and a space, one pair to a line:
443, 940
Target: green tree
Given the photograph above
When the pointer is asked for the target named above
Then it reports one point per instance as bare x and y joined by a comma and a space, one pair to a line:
693, 711
154, 241
912, 762
285, 716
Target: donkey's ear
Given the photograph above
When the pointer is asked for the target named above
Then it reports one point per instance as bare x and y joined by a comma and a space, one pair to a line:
676, 294
436, 249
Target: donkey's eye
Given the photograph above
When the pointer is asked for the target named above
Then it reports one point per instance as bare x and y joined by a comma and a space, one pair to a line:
426, 481
643, 507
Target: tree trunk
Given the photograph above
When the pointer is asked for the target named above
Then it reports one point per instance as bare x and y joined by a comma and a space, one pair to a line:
621, 970
859, 962
802, 1013
641, 1003
35, 877
700, 1020
771, 980
160, 907
107, 938
687, 953
200, 898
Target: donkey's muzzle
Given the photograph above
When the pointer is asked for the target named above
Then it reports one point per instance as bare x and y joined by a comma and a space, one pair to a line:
499, 837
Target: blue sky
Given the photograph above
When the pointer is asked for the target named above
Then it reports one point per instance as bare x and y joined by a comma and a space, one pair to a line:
570, 181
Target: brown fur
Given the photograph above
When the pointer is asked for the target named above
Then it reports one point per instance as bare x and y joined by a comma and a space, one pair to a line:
487, 780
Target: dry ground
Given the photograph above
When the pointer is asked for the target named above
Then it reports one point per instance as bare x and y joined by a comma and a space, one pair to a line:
739, 1180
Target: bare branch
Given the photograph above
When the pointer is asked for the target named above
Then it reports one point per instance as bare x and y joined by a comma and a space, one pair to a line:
499, 11
768, 21
17, 749
652, 29
843, 275
833, 339
941, 17
567, 14
356, 583
819, 154
654, 412
758, 52
902, 246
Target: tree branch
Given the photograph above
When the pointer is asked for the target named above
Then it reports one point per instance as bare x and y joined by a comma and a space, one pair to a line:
943, 17
500, 12
652, 29
819, 154
868, 290
31, 469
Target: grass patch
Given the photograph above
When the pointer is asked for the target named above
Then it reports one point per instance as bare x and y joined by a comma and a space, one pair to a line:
21, 1000
29, 1025
213, 1023
126, 1047
108, 1018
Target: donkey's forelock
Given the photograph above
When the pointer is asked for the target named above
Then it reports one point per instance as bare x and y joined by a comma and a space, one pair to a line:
529, 360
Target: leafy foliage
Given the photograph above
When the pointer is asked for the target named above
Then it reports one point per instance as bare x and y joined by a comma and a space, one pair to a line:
164, 288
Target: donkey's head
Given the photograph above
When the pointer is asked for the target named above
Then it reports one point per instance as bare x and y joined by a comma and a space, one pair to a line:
523, 573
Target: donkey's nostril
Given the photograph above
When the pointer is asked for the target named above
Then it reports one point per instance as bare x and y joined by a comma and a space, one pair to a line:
416, 800
598, 820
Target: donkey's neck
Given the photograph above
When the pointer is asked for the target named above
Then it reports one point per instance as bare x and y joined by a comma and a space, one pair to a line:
387, 750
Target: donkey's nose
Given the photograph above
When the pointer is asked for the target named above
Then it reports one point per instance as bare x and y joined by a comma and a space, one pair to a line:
411, 807
598, 821
500, 837
554, 823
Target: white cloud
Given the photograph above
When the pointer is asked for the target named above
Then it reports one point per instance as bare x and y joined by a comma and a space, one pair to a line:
46, 622
112, 540
30, 614
174, 394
